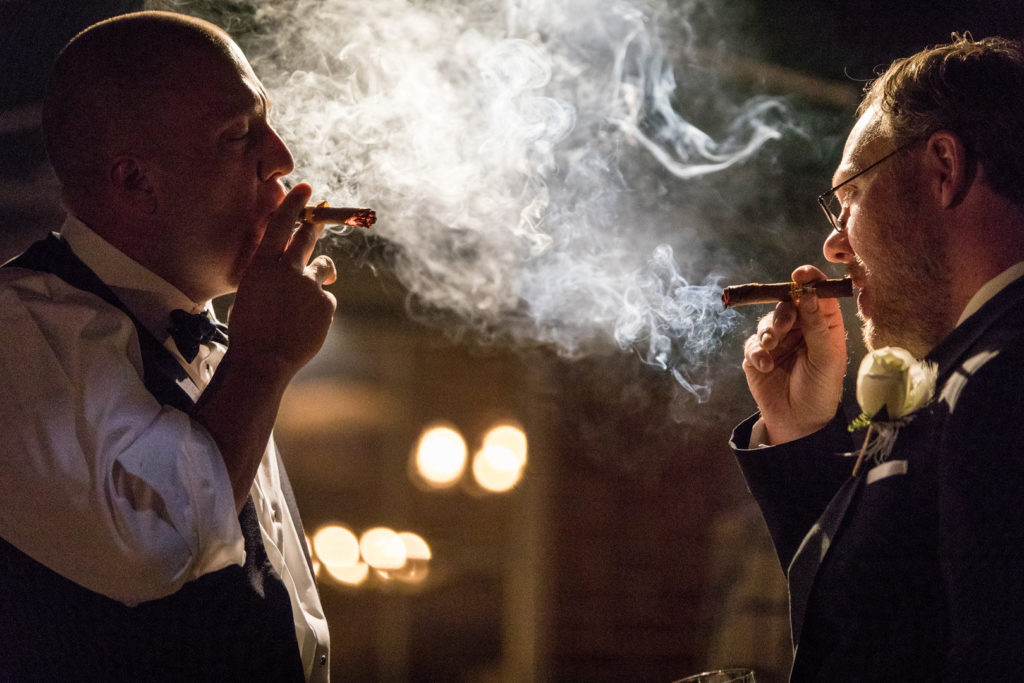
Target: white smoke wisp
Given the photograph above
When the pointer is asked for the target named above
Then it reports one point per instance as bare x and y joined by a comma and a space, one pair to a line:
498, 143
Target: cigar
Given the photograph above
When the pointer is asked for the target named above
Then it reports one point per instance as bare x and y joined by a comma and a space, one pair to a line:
756, 293
356, 218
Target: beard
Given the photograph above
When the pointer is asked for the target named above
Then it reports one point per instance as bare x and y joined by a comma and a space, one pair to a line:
909, 257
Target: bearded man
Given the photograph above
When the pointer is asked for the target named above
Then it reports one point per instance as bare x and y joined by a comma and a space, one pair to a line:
909, 569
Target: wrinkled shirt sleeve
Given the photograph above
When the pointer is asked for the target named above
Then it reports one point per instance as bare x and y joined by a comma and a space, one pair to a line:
101, 483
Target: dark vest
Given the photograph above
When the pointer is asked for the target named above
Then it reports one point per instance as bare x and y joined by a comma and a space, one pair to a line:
231, 625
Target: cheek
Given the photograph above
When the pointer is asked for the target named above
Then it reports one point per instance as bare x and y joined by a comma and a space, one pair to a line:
244, 253
226, 192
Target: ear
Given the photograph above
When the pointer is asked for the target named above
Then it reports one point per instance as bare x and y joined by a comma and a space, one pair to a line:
951, 173
132, 184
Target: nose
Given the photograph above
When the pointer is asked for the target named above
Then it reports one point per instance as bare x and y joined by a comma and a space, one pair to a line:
837, 247
275, 160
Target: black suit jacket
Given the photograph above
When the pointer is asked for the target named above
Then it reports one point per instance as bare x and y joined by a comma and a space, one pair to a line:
914, 570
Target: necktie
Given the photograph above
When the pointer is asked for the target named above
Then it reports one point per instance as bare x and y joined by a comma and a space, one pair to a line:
190, 330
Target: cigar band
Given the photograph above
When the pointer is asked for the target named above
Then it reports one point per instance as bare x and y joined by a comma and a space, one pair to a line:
796, 290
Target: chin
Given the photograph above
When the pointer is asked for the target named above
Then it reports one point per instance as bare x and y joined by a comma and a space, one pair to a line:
878, 337
869, 334
245, 254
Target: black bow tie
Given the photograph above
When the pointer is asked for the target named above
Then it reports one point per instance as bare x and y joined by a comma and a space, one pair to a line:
190, 330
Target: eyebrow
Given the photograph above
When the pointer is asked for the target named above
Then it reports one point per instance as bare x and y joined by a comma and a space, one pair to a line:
846, 172
227, 111
263, 98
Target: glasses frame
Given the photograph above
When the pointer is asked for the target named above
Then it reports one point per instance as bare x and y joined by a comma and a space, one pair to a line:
824, 197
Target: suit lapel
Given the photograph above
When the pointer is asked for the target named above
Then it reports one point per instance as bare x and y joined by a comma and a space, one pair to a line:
808, 558
1003, 311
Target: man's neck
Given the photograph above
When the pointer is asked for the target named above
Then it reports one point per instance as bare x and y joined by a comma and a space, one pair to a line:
986, 241
152, 246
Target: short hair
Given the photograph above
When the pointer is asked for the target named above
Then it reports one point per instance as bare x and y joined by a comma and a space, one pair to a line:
973, 88
101, 89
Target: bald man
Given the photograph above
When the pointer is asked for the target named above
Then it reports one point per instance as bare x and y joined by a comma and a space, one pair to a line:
148, 531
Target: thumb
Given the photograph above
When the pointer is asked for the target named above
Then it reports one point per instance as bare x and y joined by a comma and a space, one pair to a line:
322, 270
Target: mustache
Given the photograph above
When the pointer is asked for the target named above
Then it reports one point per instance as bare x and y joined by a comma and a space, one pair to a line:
856, 270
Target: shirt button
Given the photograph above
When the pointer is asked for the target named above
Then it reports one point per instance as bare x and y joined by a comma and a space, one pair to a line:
323, 660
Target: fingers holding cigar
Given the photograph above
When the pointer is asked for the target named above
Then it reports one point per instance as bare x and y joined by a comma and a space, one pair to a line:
795, 361
774, 339
304, 238
312, 223
302, 243
280, 228
320, 269
807, 306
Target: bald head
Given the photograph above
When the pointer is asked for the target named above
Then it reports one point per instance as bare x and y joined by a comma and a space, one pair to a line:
107, 88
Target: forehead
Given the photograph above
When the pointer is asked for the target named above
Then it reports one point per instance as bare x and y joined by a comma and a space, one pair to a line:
213, 85
866, 138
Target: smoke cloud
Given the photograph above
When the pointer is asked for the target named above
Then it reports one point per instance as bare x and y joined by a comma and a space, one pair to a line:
524, 157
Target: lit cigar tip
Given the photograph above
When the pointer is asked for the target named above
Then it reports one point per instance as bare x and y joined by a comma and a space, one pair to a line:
340, 215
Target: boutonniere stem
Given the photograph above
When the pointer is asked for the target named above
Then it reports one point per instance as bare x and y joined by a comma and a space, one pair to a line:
863, 449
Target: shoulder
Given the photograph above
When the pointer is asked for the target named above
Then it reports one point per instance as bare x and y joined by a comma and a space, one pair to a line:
983, 402
40, 308
989, 375
38, 290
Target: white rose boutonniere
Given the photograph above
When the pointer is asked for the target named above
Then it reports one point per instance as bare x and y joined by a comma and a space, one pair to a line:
891, 386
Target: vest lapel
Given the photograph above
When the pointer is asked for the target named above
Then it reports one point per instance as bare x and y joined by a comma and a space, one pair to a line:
232, 624
162, 374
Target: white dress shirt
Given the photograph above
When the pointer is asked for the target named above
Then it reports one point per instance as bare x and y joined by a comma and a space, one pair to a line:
114, 491
990, 289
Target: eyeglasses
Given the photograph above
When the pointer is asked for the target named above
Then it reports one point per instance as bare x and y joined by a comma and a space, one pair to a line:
830, 203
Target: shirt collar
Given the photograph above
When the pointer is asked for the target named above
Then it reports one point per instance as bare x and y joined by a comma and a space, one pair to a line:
990, 289
147, 295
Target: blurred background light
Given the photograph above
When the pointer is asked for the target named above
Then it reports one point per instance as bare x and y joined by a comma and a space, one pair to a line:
353, 575
417, 564
440, 456
382, 548
337, 550
497, 468
415, 547
511, 437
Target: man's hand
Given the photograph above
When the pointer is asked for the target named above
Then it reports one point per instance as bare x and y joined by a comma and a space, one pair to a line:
795, 363
281, 312
279, 321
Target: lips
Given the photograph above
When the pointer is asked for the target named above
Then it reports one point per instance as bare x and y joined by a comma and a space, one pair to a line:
857, 275
863, 301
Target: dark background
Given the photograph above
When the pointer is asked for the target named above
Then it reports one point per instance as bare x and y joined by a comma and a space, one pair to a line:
631, 551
